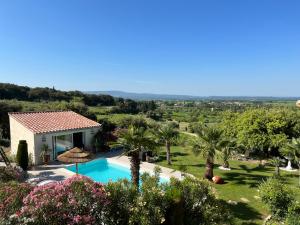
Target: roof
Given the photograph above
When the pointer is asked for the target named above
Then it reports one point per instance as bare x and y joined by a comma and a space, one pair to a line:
46, 122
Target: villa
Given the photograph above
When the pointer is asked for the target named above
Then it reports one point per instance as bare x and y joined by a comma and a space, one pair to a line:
60, 130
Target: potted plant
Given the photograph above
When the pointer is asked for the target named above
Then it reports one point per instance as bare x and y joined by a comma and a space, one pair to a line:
45, 154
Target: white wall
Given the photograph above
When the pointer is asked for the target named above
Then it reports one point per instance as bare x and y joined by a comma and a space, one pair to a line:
88, 135
19, 132
35, 141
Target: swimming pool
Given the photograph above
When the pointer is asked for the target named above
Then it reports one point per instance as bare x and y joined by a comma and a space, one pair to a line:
100, 170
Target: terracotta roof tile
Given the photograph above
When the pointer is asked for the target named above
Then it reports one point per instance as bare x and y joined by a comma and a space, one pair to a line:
46, 122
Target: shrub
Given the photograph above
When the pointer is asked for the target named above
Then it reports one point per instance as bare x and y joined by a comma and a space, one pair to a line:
77, 200
151, 204
22, 155
199, 204
293, 216
277, 196
121, 196
11, 174
11, 197
187, 202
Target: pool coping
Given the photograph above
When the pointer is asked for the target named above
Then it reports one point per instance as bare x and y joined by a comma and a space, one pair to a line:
58, 171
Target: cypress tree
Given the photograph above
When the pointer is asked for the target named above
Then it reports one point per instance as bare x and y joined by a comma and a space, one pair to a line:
22, 155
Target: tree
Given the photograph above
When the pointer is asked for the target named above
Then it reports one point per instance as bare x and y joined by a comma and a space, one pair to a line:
227, 150
276, 162
168, 135
5, 108
134, 140
261, 131
22, 155
104, 135
208, 144
292, 151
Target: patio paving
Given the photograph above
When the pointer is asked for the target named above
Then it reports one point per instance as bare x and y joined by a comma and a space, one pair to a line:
56, 170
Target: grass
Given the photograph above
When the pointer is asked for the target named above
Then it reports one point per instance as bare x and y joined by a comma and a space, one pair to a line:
242, 181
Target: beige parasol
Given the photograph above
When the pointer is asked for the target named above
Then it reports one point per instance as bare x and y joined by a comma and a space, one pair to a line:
298, 103
75, 155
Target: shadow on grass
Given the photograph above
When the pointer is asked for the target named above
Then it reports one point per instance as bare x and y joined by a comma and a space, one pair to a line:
244, 179
256, 169
162, 156
243, 211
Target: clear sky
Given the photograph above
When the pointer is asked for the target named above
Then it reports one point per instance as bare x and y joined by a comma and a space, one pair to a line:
212, 47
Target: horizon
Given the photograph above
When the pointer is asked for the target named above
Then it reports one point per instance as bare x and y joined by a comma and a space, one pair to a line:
197, 48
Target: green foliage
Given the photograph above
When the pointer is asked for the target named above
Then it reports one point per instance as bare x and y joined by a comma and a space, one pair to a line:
121, 196
102, 138
276, 162
261, 129
132, 107
292, 150
22, 155
5, 108
293, 216
227, 151
9, 173
277, 196
167, 133
134, 140
11, 91
151, 205
11, 198
199, 205
195, 127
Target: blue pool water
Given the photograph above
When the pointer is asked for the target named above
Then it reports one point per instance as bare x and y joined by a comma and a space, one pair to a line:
101, 170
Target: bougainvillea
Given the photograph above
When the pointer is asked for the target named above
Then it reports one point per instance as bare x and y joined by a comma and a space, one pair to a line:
77, 200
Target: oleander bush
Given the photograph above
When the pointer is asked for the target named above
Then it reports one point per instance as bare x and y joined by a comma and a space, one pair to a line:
11, 198
79, 200
122, 196
9, 173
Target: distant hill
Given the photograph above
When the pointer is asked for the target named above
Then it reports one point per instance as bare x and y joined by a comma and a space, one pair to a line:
149, 96
146, 96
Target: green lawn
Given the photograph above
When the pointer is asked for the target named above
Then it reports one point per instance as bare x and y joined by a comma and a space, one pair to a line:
241, 182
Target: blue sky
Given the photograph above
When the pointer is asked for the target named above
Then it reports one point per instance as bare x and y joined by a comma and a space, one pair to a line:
212, 47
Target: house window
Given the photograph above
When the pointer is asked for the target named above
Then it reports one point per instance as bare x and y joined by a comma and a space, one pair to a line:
44, 138
62, 143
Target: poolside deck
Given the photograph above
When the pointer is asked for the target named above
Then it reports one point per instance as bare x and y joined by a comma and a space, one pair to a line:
56, 170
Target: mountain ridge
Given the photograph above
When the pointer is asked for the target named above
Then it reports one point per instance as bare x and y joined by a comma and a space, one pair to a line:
151, 96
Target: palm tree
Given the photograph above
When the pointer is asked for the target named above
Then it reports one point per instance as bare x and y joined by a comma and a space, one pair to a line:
134, 140
227, 150
168, 135
292, 151
208, 144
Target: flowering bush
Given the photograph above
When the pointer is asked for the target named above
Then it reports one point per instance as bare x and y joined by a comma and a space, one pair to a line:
11, 197
151, 205
77, 200
10, 173
193, 202
122, 197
